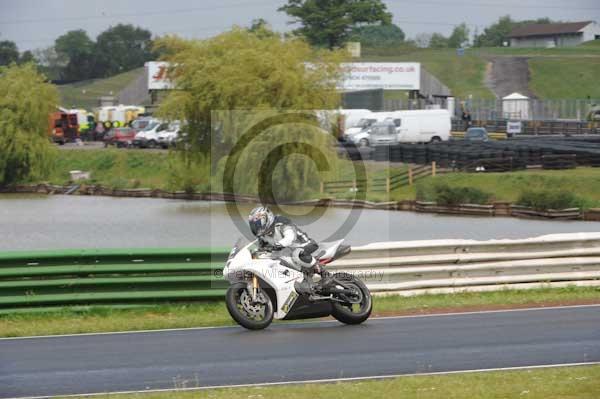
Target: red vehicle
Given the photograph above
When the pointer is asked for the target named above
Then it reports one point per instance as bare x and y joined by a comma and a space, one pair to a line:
119, 137
63, 127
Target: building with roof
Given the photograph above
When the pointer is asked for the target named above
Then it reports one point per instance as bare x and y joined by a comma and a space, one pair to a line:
554, 35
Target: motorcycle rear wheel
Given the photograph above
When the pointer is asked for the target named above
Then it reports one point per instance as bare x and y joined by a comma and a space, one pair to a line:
244, 312
349, 313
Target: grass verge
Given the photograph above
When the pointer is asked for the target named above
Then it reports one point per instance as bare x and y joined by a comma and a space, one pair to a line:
215, 314
581, 382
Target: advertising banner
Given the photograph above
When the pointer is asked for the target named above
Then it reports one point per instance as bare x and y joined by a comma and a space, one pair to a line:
381, 75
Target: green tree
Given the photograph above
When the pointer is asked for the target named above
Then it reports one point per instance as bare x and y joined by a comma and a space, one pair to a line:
438, 41
122, 48
261, 27
50, 63
327, 23
8, 52
78, 49
26, 57
26, 99
459, 36
273, 76
378, 35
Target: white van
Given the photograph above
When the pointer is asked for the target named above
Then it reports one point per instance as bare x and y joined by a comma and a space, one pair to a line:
168, 138
423, 126
340, 120
351, 117
418, 126
148, 137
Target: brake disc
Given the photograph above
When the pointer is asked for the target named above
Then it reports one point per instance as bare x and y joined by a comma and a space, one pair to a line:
252, 308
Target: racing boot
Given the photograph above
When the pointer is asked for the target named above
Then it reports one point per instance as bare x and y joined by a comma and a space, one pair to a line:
326, 278
306, 286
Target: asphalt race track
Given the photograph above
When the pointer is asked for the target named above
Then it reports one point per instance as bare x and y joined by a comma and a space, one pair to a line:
297, 352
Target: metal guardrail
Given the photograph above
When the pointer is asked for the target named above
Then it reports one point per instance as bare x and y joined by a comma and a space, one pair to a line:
449, 265
117, 277
133, 277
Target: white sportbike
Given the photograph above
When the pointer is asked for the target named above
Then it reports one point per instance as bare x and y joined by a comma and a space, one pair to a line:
263, 287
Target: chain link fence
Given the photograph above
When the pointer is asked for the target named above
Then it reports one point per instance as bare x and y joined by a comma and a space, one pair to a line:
497, 109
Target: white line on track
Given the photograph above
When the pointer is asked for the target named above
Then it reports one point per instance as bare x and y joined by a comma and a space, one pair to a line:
331, 380
310, 322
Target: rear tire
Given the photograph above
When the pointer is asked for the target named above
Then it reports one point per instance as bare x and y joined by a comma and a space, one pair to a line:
345, 313
235, 307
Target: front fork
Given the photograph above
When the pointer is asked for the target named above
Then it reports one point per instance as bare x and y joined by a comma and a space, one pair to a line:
254, 287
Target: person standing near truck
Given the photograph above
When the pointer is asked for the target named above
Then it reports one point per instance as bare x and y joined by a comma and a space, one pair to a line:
466, 117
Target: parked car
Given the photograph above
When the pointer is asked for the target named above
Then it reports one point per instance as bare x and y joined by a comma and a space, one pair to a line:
359, 132
383, 133
169, 137
476, 134
119, 137
148, 137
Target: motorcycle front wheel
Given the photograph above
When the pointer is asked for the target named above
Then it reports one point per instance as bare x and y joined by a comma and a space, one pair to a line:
246, 312
359, 306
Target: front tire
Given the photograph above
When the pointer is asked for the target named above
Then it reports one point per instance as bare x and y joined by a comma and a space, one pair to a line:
246, 314
349, 313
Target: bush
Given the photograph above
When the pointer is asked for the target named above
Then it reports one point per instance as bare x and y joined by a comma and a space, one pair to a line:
542, 200
444, 194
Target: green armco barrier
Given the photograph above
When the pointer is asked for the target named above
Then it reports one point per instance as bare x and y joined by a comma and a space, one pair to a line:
36, 280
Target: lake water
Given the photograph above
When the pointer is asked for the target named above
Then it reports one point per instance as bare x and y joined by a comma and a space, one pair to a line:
50, 222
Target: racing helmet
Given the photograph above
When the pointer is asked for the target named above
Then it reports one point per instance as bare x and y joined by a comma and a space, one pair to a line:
261, 220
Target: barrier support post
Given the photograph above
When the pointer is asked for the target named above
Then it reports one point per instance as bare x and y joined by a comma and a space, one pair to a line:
410, 176
433, 168
321, 187
387, 185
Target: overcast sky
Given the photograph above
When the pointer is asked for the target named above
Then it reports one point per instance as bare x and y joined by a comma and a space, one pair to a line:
37, 23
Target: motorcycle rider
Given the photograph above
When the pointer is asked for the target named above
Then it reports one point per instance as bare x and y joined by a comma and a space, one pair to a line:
275, 232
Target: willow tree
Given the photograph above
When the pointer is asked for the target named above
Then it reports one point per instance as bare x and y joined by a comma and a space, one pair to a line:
26, 99
238, 94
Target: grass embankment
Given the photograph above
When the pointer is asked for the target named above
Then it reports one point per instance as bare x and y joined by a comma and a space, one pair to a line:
557, 73
143, 169
564, 78
463, 75
582, 183
115, 168
591, 48
120, 168
580, 382
102, 319
85, 94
